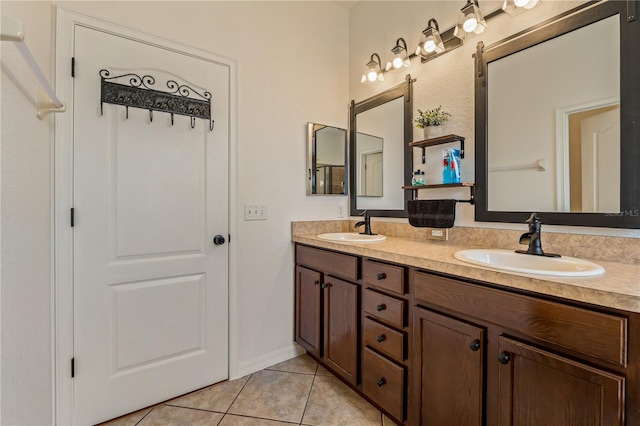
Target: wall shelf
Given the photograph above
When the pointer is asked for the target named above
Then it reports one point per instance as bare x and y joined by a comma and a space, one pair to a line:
469, 185
438, 141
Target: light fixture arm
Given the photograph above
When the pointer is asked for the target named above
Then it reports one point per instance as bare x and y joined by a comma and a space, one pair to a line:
435, 24
373, 61
398, 46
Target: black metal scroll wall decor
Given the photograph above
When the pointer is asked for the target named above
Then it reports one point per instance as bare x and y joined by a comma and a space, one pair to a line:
139, 95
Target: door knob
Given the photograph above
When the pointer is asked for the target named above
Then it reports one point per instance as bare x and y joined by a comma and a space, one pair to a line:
218, 240
504, 358
475, 345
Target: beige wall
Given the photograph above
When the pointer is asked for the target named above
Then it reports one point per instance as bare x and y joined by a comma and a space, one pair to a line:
292, 68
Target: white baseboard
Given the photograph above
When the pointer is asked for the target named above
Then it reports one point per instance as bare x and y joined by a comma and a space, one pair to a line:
267, 360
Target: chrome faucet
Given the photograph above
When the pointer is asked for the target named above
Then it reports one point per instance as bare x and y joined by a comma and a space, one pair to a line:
366, 222
533, 238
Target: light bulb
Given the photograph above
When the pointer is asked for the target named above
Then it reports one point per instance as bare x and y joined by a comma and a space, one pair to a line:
372, 75
430, 45
470, 23
397, 62
520, 3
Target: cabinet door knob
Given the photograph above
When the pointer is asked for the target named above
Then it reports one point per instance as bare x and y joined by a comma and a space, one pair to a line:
474, 345
381, 307
504, 358
316, 282
381, 338
381, 381
324, 285
382, 276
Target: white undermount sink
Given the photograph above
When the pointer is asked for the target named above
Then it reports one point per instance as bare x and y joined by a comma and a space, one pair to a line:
529, 264
351, 237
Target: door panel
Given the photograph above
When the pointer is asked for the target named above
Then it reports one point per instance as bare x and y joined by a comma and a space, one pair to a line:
341, 324
570, 392
150, 287
308, 310
449, 359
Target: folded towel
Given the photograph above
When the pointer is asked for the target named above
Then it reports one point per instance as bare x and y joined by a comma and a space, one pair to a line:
432, 213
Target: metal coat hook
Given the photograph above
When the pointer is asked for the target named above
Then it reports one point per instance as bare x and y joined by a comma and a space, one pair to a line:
193, 122
171, 119
211, 125
151, 116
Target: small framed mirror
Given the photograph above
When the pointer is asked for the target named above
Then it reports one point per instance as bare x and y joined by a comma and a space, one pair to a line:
326, 160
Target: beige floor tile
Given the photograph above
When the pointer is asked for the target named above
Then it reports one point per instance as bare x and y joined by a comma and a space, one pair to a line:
166, 415
274, 395
302, 364
231, 420
129, 419
333, 403
218, 397
323, 371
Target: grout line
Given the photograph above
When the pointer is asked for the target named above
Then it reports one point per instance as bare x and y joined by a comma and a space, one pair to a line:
259, 418
309, 396
234, 399
143, 417
193, 408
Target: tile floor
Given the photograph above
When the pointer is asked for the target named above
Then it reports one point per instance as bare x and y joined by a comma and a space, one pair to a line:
298, 391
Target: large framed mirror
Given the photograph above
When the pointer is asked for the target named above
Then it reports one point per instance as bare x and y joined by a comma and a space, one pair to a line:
558, 121
326, 160
380, 130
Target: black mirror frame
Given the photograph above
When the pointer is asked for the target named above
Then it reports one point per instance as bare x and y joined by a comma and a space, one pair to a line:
629, 217
401, 90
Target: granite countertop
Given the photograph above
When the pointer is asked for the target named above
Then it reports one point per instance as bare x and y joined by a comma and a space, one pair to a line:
618, 287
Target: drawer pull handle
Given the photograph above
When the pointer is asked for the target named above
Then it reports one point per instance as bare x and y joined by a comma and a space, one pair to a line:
381, 338
382, 276
381, 381
504, 358
381, 307
475, 345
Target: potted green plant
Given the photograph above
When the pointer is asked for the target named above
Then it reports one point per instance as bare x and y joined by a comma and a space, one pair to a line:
432, 121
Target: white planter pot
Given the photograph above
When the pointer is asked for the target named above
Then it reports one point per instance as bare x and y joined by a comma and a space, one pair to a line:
435, 131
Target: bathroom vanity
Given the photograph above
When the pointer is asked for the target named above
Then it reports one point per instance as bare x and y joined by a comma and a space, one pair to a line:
432, 341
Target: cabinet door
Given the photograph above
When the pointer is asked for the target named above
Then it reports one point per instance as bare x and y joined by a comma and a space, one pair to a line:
308, 310
540, 388
341, 328
447, 370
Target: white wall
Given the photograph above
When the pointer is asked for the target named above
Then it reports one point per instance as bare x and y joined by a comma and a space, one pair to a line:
448, 80
292, 68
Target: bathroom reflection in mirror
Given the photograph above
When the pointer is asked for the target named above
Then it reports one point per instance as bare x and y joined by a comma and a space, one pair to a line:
369, 164
554, 123
326, 160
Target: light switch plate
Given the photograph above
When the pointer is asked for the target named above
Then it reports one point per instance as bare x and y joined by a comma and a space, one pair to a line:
255, 211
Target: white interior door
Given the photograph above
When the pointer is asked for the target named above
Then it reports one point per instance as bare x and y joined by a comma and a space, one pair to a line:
600, 149
150, 286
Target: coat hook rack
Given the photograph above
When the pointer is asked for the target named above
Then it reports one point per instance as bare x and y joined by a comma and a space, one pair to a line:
11, 30
181, 99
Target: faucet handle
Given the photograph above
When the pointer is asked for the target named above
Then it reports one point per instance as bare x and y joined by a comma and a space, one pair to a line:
533, 219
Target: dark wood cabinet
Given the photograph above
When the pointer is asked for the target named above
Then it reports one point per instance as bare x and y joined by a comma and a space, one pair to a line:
431, 349
544, 362
328, 309
448, 370
536, 387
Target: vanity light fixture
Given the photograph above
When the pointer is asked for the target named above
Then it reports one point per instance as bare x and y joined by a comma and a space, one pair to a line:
430, 41
516, 7
472, 20
400, 56
372, 73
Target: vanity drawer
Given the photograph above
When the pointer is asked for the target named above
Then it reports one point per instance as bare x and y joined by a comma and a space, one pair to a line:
385, 276
383, 307
343, 265
596, 334
383, 339
383, 382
